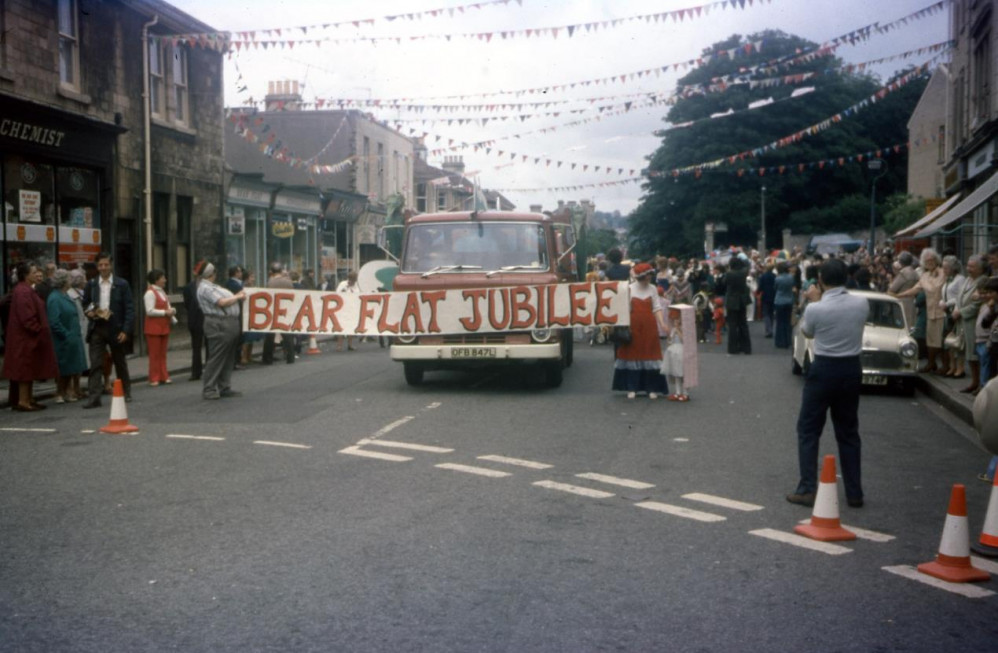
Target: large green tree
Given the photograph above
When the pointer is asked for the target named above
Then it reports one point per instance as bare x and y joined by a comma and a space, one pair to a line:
672, 213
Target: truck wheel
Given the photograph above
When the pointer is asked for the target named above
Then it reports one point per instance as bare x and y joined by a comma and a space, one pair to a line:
569, 347
553, 374
413, 373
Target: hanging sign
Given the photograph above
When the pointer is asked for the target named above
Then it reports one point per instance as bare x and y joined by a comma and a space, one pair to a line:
282, 229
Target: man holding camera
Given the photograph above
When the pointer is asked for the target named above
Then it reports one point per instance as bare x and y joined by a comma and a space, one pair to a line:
111, 311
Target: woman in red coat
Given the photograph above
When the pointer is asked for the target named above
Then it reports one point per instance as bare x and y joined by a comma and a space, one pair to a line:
30, 354
159, 317
637, 367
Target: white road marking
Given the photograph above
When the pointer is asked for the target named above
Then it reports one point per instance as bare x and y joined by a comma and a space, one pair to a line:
987, 565
801, 541
679, 511
680, 439
613, 480
391, 427
574, 489
404, 445
88, 431
25, 430
357, 451
469, 469
722, 502
289, 445
964, 589
516, 461
862, 533
195, 437
435, 404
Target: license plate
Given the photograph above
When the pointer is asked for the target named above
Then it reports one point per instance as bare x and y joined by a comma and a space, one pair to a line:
473, 352
874, 379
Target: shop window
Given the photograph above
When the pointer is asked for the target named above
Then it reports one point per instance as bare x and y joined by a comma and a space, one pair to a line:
78, 193
178, 80
28, 192
69, 45
157, 79
185, 209
160, 228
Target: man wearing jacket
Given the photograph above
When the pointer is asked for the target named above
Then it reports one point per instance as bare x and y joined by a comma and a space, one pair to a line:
108, 304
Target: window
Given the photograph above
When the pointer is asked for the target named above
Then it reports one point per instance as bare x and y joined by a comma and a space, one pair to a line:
157, 80
367, 165
381, 171
959, 122
3, 34
160, 229
185, 207
981, 75
69, 45
421, 198
441, 200
179, 82
942, 144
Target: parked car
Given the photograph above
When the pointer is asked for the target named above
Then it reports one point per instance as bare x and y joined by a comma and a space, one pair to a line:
890, 354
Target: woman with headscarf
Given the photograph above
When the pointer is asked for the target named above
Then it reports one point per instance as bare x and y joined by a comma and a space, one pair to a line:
29, 355
638, 363
931, 282
67, 338
965, 310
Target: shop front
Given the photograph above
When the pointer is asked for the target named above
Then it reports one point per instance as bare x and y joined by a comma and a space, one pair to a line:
55, 176
294, 230
246, 226
342, 211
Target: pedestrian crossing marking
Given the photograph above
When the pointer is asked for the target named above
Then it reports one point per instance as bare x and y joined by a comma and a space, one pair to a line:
722, 502
391, 427
469, 469
519, 462
862, 533
288, 445
987, 565
404, 445
679, 511
26, 430
181, 436
574, 489
363, 453
964, 589
801, 541
613, 480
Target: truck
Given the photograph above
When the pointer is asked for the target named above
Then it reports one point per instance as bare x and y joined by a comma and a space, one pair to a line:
482, 249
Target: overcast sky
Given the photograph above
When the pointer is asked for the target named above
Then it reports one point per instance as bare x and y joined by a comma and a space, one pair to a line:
426, 70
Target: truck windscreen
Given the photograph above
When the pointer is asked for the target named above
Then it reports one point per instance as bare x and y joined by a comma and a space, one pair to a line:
484, 245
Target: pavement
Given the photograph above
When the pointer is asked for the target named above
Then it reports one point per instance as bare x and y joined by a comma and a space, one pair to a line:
943, 390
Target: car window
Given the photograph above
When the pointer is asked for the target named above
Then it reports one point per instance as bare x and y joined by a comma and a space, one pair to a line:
885, 314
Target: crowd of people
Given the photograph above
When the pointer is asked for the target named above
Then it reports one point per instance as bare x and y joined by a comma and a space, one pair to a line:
61, 324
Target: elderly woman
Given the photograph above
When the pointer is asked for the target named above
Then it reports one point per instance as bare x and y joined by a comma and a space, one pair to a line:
77, 281
965, 310
905, 277
951, 292
29, 355
64, 320
931, 282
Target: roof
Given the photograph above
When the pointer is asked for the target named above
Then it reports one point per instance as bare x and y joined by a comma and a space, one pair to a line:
170, 18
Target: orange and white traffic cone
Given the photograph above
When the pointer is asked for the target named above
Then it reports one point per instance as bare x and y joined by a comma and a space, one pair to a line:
313, 346
988, 544
825, 525
119, 414
953, 560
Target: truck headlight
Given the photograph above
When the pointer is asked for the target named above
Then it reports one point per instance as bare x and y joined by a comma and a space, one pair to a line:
540, 335
909, 349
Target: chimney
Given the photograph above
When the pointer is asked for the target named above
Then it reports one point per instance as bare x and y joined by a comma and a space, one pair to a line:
454, 163
535, 208
283, 95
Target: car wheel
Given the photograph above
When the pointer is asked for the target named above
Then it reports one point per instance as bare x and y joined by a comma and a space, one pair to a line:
569, 347
413, 373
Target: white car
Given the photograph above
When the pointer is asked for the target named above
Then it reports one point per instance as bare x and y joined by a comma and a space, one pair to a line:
890, 354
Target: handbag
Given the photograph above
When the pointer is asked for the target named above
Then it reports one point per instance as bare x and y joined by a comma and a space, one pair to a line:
954, 340
620, 335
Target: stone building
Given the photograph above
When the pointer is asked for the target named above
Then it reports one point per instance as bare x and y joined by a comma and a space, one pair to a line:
72, 136
447, 189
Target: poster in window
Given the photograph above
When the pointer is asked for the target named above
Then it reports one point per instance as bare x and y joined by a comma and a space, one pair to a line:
237, 225
81, 216
31, 205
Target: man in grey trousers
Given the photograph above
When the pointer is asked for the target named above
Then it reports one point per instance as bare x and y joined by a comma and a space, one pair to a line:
221, 329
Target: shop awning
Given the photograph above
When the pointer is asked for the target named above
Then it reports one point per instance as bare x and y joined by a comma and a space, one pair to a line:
298, 202
928, 218
972, 201
343, 206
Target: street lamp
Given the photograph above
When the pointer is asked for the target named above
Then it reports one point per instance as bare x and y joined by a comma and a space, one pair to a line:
762, 232
874, 165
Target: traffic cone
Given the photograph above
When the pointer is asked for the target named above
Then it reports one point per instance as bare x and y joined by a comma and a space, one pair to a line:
988, 544
119, 413
313, 346
953, 560
825, 525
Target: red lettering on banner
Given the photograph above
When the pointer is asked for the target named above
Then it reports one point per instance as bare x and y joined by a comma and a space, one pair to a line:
602, 302
554, 320
281, 311
411, 313
383, 324
305, 313
520, 297
579, 304
474, 323
541, 313
256, 311
367, 308
504, 293
432, 298
331, 304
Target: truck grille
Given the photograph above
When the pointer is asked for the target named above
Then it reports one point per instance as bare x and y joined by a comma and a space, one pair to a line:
881, 360
477, 339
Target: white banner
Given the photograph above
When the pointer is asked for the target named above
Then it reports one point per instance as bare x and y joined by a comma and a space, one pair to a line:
426, 312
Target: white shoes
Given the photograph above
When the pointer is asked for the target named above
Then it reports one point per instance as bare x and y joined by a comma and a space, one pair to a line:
653, 395
631, 395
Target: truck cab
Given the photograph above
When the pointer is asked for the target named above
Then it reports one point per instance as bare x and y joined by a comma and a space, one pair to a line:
484, 249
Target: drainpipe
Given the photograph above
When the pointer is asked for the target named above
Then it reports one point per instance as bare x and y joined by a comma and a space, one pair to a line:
147, 129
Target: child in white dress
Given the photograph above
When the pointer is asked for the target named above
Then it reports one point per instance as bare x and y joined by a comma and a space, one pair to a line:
674, 360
